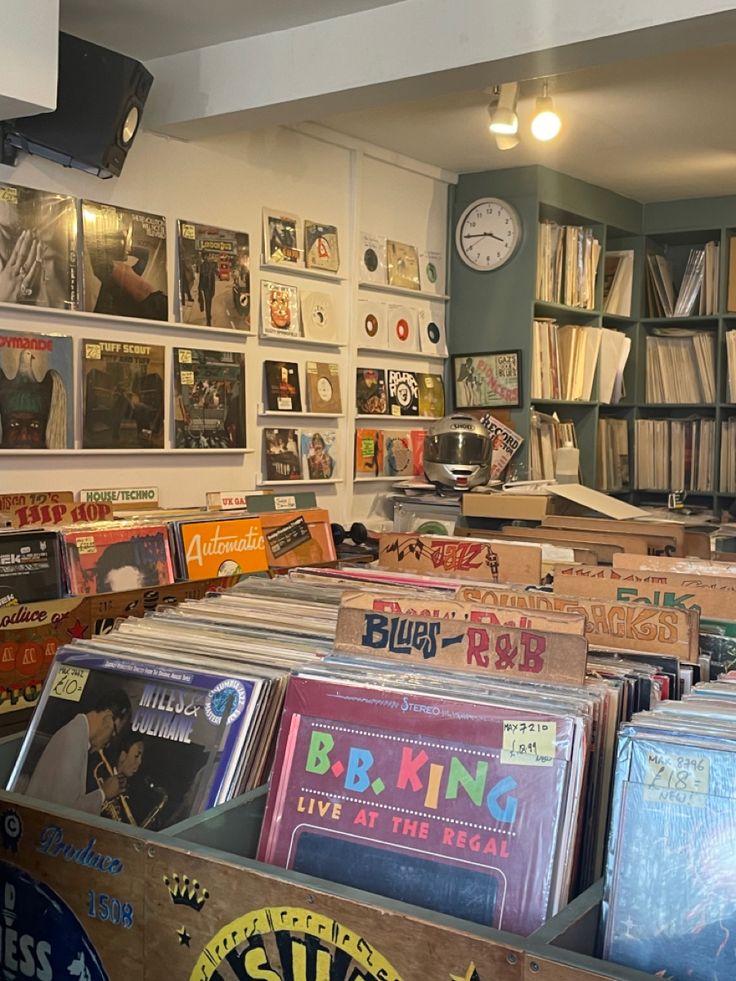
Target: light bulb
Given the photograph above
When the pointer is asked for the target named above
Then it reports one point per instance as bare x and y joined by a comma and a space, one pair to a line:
546, 123
504, 121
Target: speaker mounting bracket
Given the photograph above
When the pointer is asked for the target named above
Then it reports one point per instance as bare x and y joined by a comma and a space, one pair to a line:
8, 153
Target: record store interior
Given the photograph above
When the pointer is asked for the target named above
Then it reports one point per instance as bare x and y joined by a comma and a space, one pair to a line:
437, 680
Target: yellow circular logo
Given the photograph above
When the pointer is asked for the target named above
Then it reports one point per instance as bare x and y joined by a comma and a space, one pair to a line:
280, 942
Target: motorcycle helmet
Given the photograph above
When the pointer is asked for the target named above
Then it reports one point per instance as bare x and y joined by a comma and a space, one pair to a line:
457, 453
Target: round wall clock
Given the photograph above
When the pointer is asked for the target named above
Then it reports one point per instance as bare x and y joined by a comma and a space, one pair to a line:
487, 234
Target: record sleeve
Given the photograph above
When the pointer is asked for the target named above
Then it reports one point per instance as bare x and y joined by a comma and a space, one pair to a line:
283, 393
432, 271
279, 310
402, 263
368, 452
398, 454
402, 329
320, 246
281, 240
30, 567
323, 388
282, 454
372, 259
370, 392
209, 398
228, 547
123, 387
432, 336
169, 737
418, 439
319, 322
214, 276
36, 391
319, 459
112, 560
431, 395
124, 254
38, 248
403, 393
372, 325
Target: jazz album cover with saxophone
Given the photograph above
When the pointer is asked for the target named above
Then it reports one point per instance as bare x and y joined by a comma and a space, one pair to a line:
144, 742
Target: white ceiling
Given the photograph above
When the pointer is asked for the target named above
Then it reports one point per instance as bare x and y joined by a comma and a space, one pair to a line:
153, 28
653, 130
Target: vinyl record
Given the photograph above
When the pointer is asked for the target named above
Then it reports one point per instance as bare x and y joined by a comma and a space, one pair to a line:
372, 252
432, 338
318, 317
372, 325
402, 330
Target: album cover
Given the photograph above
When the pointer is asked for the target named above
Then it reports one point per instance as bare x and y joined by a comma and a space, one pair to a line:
124, 262
38, 248
368, 452
281, 238
214, 276
402, 329
279, 310
431, 395
36, 391
432, 271
112, 560
323, 388
282, 454
30, 567
123, 387
209, 399
432, 336
370, 392
398, 453
418, 439
319, 460
283, 393
320, 246
372, 325
402, 263
403, 393
319, 322
372, 259
228, 547
139, 743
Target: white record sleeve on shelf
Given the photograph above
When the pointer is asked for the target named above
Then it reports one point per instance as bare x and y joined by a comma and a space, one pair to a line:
319, 321
372, 259
432, 271
372, 324
432, 335
402, 328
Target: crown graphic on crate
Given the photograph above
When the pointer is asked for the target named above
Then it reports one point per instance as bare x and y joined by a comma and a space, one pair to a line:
186, 892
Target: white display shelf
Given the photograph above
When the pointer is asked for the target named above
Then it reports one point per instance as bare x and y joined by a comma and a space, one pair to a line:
400, 418
298, 483
110, 320
265, 413
128, 451
417, 355
403, 291
287, 339
292, 270
377, 479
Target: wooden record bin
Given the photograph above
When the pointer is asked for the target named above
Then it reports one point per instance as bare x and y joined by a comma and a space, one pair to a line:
85, 897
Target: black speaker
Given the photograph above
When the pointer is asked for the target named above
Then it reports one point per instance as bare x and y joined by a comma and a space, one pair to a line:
100, 101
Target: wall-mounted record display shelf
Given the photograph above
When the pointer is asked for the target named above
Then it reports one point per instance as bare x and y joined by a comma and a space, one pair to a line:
414, 355
299, 483
273, 339
403, 291
287, 269
379, 478
403, 419
265, 413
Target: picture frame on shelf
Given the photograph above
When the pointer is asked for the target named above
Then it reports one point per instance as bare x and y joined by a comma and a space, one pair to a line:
487, 380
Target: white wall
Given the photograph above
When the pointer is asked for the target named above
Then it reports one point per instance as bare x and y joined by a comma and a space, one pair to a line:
29, 32
227, 182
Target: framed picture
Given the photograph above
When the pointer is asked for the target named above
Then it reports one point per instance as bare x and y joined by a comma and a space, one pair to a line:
487, 381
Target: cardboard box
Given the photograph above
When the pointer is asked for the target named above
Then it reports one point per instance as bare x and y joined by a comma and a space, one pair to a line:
508, 507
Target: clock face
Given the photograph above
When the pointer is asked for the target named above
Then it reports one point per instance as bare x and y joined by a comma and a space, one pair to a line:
487, 234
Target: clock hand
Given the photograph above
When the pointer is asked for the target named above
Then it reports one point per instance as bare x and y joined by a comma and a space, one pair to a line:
484, 234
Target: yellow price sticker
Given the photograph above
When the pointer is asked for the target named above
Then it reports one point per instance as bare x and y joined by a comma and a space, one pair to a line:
677, 778
86, 545
69, 682
530, 742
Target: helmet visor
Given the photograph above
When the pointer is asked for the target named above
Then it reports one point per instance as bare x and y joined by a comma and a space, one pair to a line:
461, 449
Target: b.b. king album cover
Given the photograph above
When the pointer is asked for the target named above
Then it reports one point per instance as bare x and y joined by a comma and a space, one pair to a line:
36, 391
38, 248
113, 560
30, 567
318, 454
214, 276
123, 387
145, 744
281, 453
124, 262
209, 398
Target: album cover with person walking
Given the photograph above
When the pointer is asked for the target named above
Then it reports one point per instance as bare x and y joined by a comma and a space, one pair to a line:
36, 391
124, 262
214, 276
209, 398
38, 248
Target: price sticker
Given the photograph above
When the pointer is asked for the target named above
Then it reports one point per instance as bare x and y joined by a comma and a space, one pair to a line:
186, 377
185, 356
682, 778
69, 682
529, 743
86, 545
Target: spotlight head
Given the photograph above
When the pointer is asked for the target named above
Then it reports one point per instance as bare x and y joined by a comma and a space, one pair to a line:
506, 141
546, 123
503, 113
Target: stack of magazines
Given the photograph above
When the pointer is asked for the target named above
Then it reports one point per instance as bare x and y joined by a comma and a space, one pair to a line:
567, 264
699, 284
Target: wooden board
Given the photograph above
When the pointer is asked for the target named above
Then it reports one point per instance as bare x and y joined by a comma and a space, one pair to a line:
627, 541
610, 625
603, 553
652, 529
681, 566
474, 648
714, 598
584, 555
438, 608
460, 558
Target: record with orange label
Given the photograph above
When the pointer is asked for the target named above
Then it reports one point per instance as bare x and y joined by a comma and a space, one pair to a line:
372, 325
402, 329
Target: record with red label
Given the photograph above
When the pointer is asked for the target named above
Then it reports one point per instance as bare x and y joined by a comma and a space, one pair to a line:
402, 329
432, 336
372, 325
